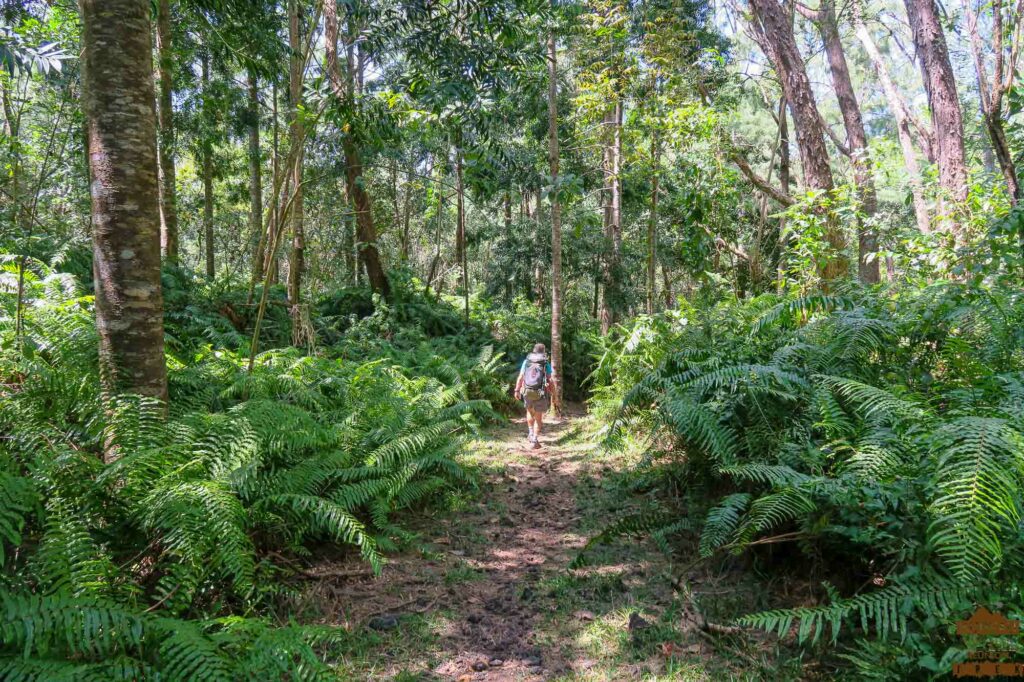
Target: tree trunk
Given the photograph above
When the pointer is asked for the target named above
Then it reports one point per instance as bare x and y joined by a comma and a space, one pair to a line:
460, 228
900, 113
255, 182
436, 260
275, 217
165, 114
556, 227
366, 233
118, 102
856, 139
539, 284
940, 86
296, 140
785, 175
991, 95
349, 245
774, 24
670, 301
207, 164
612, 218
406, 215
652, 226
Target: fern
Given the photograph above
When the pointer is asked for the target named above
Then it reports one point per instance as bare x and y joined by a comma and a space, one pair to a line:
722, 522
886, 611
799, 310
978, 475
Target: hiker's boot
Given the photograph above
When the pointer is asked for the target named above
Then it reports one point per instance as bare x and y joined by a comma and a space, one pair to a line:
536, 443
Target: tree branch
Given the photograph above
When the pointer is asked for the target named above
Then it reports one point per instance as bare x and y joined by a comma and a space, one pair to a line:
759, 182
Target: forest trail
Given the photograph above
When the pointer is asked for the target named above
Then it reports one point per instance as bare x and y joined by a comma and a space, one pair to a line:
486, 596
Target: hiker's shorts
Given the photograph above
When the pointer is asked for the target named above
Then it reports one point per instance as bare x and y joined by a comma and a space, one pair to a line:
539, 405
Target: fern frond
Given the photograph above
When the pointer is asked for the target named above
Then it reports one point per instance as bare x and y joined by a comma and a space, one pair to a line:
886, 611
979, 475
722, 522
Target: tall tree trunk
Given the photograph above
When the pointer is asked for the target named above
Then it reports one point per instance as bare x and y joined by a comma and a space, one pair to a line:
255, 182
460, 235
538, 265
612, 217
773, 23
207, 163
296, 140
436, 260
366, 233
118, 102
507, 202
856, 139
901, 115
947, 120
165, 115
652, 226
556, 227
275, 216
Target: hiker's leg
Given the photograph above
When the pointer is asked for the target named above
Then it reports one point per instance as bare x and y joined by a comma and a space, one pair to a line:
530, 421
538, 424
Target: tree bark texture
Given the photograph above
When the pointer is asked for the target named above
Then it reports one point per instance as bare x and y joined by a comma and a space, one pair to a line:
118, 100
612, 195
856, 140
296, 139
774, 24
940, 86
556, 226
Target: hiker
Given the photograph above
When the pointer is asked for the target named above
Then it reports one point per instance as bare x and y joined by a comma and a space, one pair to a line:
533, 387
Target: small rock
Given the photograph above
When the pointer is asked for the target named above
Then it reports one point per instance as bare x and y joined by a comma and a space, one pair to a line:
480, 666
495, 662
383, 623
458, 552
585, 615
531, 662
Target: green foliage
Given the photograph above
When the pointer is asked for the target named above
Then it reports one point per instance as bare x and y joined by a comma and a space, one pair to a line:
880, 429
138, 567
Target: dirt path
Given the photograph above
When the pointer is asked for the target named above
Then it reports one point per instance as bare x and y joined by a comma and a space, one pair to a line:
487, 596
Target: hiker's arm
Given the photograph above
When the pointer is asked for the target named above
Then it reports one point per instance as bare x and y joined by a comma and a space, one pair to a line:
519, 386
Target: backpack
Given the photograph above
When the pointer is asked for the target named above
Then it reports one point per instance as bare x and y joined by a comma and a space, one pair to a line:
535, 376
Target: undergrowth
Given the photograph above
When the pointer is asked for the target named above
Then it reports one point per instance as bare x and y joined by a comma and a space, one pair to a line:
880, 432
140, 542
